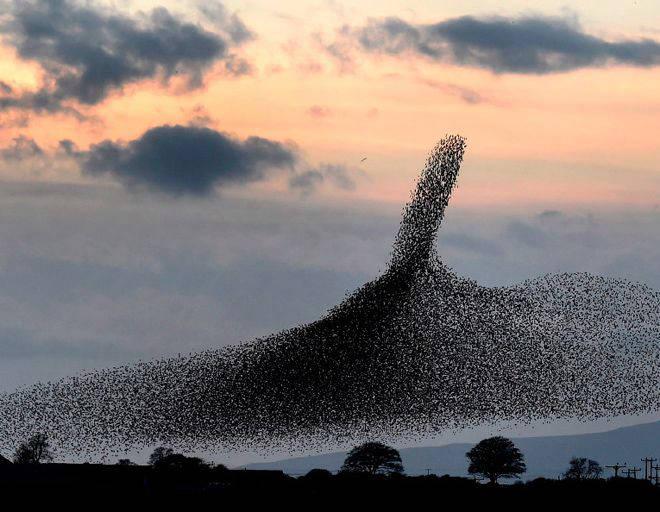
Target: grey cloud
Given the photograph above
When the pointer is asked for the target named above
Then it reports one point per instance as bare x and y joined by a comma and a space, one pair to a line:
186, 160
306, 181
91, 277
88, 52
21, 148
5, 87
337, 175
69, 148
216, 13
526, 233
528, 44
549, 214
470, 243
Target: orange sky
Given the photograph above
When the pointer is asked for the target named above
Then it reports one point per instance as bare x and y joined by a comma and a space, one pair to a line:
582, 136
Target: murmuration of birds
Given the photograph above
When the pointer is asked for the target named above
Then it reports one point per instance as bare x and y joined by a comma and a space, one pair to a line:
419, 350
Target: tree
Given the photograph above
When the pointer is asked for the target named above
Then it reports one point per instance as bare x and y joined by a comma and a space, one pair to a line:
34, 451
316, 475
166, 458
581, 468
496, 457
125, 462
373, 458
159, 454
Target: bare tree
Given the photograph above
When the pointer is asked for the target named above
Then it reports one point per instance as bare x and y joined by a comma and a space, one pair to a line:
34, 451
581, 468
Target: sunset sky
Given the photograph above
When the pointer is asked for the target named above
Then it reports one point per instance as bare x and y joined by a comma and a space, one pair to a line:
183, 175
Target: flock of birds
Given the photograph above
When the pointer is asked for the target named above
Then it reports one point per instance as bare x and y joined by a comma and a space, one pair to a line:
416, 351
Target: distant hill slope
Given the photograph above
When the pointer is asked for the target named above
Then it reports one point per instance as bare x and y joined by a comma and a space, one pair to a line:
545, 456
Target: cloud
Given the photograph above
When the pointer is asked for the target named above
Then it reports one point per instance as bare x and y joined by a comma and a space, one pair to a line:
23, 147
531, 44
176, 160
319, 111
339, 176
90, 277
307, 182
470, 244
550, 215
469, 96
216, 13
185, 160
87, 52
527, 234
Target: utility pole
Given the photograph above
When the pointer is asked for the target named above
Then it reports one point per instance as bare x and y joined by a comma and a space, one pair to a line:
632, 471
428, 471
657, 474
648, 467
616, 467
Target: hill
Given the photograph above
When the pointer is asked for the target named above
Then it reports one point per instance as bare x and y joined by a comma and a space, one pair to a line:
545, 456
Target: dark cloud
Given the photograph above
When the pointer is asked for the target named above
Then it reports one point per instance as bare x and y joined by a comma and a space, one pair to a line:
216, 13
68, 147
5, 87
21, 148
186, 160
88, 52
527, 44
307, 182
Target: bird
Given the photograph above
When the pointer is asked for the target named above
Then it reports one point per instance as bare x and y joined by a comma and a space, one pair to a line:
418, 349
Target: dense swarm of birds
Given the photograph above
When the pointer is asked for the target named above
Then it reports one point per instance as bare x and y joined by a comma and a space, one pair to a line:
416, 351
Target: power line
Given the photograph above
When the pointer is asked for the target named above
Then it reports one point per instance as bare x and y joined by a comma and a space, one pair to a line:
616, 467
648, 467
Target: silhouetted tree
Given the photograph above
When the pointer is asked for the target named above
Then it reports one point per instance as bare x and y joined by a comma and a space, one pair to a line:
180, 462
317, 474
581, 468
34, 451
158, 454
166, 458
125, 462
373, 458
496, 457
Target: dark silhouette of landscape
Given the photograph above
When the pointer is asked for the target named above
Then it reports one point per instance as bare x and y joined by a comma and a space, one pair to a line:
545, 456
372, 474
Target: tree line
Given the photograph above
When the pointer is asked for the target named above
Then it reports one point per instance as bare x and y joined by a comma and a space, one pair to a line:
490, 459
